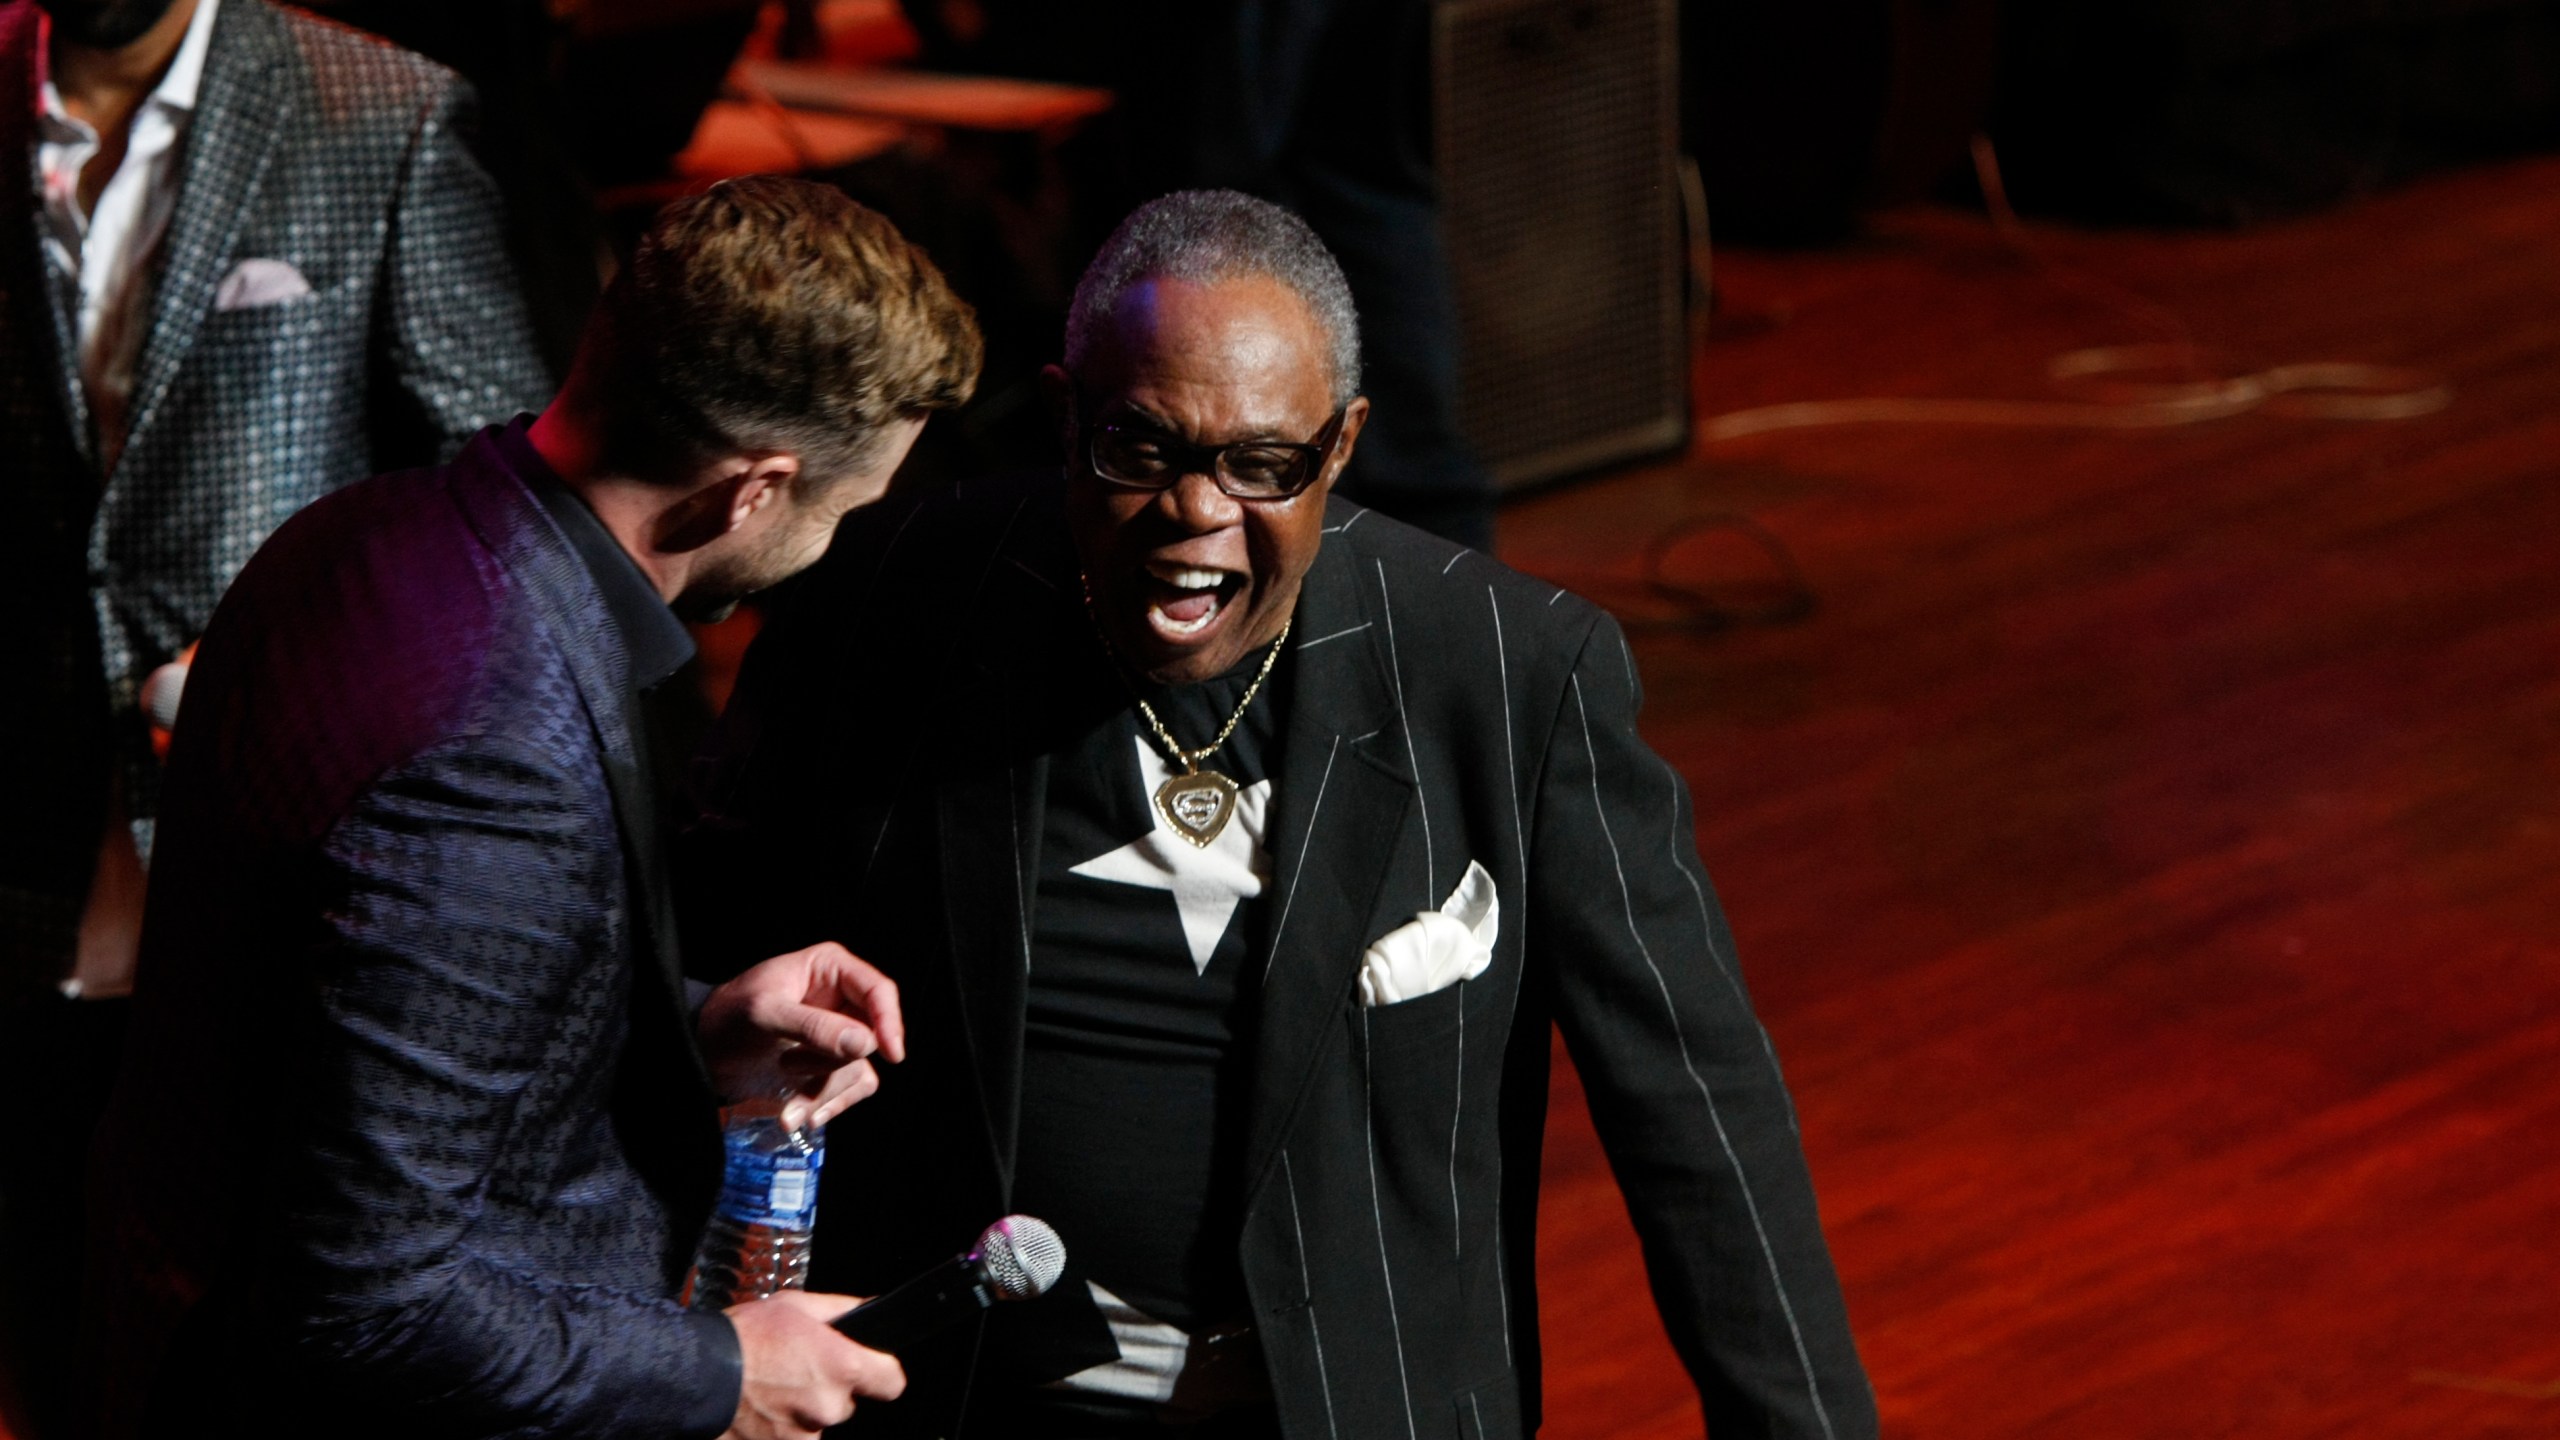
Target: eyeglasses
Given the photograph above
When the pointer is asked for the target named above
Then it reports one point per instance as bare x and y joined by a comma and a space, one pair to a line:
1143, 458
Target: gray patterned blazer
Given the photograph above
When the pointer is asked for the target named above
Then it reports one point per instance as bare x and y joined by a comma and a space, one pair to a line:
312, 145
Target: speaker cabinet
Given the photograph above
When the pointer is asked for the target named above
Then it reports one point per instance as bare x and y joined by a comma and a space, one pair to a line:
1557, 138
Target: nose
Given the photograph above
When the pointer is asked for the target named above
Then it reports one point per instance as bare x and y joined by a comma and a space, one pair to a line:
1195, 503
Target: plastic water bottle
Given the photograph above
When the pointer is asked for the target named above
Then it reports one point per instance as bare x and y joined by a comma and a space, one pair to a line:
757, 1243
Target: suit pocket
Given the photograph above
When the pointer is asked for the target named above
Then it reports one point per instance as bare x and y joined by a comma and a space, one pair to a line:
321, 309
275, 398
294, 357
1422, 1021
1435, 1159
285, 355
1490, 1411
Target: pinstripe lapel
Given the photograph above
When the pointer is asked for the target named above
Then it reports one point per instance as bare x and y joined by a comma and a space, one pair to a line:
253, 84
24, 273
1342, 810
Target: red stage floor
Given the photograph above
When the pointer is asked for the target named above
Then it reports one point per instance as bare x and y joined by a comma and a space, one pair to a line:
2148, 853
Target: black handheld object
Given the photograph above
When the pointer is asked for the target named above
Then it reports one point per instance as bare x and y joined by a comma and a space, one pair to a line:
1016, 1258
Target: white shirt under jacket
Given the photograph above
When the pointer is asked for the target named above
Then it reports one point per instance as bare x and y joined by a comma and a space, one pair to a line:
110, 250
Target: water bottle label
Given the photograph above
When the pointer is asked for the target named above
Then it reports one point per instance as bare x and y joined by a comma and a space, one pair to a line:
764, 1187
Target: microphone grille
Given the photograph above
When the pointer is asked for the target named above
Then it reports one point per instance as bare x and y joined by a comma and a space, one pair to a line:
1023, 1256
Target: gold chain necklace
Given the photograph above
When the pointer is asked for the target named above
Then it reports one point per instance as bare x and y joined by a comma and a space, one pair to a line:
1197, 803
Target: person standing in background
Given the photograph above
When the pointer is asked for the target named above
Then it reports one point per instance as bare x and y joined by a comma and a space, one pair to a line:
1323, 106
249, 260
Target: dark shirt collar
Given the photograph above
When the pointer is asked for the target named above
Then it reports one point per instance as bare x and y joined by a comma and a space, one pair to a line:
656, 640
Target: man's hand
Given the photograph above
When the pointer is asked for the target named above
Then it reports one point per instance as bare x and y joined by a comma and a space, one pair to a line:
801, 1375
807, 1023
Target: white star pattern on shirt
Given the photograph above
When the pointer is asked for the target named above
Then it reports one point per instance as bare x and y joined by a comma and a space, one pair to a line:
1208, 883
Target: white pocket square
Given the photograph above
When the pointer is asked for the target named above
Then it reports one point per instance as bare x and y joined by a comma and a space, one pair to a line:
253, 283
1437, 948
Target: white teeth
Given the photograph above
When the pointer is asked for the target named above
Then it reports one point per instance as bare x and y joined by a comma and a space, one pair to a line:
1192, 579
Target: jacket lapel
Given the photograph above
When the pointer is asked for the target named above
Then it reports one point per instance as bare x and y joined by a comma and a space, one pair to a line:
989, 830
241, 108
1344, 784
989, 799
635, 810
1345, 789
39, 293
541, 559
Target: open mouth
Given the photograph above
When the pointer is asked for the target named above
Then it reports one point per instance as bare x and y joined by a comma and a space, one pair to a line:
1185, 603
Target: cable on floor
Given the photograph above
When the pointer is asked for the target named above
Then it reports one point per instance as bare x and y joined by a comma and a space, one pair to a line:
2104, 387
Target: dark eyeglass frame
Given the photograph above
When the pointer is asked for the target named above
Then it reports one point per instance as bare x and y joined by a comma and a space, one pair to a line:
1184, 458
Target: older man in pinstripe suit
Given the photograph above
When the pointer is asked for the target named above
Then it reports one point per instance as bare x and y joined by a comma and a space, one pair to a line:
245, 260
1234, 852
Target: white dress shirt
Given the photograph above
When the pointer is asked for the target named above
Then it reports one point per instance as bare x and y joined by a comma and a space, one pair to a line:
111, 250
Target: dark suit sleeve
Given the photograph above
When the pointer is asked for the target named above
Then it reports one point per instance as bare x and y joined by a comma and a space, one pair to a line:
1683, 1085
466, 884
454, 339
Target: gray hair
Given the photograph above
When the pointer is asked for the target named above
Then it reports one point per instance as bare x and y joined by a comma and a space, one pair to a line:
1204, 236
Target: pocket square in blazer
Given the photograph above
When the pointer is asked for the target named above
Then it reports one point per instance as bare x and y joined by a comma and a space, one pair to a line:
253, 283
1437, 948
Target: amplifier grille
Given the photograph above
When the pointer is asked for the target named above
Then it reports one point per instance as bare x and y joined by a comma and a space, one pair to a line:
1557, 136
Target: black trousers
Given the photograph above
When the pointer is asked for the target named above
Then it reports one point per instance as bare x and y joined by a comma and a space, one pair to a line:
1325, 106
1321, 105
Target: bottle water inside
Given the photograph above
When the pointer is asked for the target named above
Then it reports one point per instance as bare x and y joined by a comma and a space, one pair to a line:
757, 1243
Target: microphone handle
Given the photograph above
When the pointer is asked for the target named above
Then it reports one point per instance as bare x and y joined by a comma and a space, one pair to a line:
943, 1296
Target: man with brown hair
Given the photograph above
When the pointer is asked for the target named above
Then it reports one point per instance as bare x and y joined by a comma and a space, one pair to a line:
417, 1129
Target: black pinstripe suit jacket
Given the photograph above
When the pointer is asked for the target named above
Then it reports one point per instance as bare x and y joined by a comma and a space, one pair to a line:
312, 145
1438, 709
411, 1138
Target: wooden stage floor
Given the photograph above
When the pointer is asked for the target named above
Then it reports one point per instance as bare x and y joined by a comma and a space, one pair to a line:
2147, 852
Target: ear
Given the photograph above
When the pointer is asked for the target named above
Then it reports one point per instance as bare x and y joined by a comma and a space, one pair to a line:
1354, 416
757, 483
1058, 392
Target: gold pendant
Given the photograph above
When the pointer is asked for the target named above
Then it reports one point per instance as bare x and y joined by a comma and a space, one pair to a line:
1197, 805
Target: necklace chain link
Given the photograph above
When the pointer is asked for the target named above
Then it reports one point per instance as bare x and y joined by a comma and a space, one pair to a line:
1189, 759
